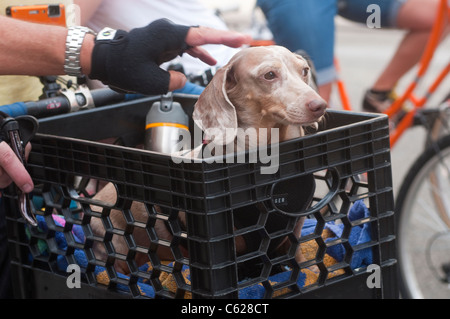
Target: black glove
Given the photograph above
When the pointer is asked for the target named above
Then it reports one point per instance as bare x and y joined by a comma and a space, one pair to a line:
131, 60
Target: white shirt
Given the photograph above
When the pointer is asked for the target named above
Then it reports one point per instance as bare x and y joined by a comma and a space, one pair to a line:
126, 15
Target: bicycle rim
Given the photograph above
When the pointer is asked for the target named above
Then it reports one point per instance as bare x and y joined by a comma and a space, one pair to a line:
423, 224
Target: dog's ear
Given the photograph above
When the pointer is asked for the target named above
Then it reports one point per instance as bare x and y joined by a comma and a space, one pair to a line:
312, 77
214, 113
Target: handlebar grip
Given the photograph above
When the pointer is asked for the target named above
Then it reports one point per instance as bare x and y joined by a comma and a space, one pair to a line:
48, 107
191, 88
15, 109
106, 96
60, 104
43, 108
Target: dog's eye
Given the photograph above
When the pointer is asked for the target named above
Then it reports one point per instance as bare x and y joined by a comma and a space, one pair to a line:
270, 75
305, 71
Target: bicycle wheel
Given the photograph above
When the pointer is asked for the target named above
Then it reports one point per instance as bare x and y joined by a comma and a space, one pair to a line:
423, 225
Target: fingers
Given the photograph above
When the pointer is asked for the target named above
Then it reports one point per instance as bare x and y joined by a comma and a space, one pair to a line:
177, 80
5, 180
204, 35
202, 54
13, 170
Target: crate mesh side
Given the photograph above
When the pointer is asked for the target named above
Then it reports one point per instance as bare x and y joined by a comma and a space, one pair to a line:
200, 204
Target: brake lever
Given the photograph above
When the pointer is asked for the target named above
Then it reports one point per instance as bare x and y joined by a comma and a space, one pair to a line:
11, 134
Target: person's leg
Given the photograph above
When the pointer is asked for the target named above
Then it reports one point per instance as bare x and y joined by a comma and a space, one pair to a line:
325, 91
418, 17
306, 25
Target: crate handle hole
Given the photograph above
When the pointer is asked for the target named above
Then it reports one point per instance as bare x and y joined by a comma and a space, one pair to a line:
298, 204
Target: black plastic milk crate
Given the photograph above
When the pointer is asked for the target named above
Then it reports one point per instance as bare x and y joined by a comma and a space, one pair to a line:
340, 177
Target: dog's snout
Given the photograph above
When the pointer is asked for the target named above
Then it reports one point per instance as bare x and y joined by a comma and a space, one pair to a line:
317, 107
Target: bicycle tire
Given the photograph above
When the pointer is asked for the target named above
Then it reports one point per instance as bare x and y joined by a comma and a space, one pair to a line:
415, 228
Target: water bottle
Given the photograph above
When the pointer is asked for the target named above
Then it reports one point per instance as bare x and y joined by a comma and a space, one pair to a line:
167, 126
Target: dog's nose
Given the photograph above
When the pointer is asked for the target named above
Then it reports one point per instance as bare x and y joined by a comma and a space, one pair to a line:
317, 107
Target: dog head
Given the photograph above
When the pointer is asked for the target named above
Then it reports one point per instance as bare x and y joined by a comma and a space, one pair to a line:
259, 87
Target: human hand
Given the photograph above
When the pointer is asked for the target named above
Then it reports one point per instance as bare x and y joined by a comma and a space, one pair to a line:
204, 35
131, 60
12, 170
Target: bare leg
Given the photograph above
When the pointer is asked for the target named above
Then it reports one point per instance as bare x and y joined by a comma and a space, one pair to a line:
418, 17
325, 91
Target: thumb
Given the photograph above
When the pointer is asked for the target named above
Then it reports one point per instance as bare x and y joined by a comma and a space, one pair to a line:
12, 169
177, 80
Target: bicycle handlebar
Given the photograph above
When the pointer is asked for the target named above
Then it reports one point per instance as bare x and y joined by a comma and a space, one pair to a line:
38, 109
82, 98
67, 102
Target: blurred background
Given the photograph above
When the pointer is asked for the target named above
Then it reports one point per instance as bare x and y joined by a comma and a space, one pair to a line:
362, 53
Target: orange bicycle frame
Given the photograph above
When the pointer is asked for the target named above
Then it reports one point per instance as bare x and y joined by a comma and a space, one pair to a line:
346, 105
418, 103
443, 16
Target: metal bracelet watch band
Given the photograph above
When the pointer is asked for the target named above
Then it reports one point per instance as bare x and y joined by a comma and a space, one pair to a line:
74, 41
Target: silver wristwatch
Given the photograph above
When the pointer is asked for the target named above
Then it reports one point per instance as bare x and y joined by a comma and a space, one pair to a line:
74, 40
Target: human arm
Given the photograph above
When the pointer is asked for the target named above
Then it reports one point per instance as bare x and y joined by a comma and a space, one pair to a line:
34, 49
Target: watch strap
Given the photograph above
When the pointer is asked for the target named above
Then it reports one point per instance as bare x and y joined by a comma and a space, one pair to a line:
74, 41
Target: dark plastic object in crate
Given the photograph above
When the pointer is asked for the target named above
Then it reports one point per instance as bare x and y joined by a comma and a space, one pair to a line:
349, 159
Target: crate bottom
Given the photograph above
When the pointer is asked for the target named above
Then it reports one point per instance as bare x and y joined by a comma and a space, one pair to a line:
46, 285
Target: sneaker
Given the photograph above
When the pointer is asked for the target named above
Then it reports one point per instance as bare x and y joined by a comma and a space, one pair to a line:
377, 102
380, 102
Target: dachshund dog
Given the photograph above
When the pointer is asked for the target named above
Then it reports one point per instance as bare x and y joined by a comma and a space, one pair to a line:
260, 88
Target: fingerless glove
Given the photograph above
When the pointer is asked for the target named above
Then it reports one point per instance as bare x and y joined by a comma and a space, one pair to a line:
131, 60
